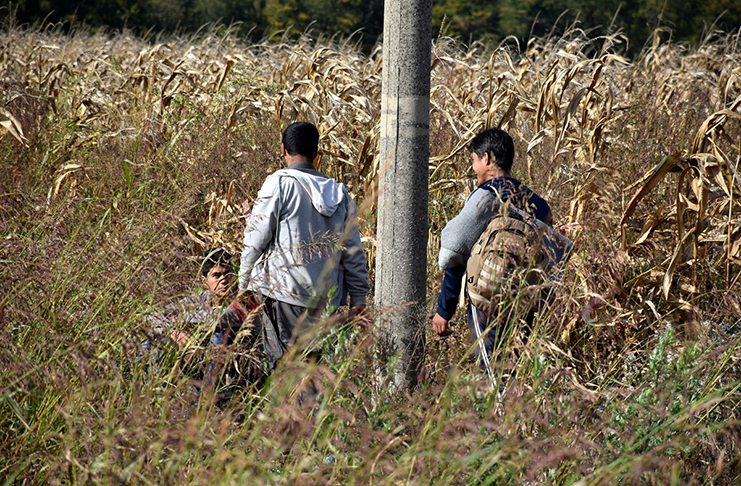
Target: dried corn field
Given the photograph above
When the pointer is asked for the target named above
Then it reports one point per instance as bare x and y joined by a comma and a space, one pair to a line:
124, 157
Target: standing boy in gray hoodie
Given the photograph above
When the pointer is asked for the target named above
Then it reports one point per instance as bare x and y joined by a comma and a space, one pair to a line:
302, 251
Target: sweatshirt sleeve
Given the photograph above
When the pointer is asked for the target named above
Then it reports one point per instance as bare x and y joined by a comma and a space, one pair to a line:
261, 227
450, 291
353, 258
462, 232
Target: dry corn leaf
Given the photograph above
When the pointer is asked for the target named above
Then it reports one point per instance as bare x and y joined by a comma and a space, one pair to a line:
66, 173
673, 264
667, 164
11, 125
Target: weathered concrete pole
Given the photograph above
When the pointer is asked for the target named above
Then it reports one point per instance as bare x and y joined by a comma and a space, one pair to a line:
401, 268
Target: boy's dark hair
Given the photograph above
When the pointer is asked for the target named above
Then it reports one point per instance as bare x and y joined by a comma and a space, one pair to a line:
213, 257
497, 143
301, 138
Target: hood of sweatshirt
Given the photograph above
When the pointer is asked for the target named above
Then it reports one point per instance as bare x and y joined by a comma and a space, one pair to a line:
326, 194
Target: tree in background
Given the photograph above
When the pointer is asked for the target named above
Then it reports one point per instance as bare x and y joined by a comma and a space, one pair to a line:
167, 14
328, 17
470, 20
489, 21
484, 20
113, 13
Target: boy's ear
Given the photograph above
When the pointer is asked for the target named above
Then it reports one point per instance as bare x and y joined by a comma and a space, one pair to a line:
283, 152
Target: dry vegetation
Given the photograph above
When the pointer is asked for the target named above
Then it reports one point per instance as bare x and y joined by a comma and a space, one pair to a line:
124, 157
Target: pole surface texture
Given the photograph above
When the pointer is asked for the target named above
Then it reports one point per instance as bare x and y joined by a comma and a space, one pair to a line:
401, 268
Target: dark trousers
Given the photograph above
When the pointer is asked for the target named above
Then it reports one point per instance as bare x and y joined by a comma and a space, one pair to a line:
493, 332
282, 323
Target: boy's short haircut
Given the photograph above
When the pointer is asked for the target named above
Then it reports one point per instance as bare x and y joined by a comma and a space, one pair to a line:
497, 143
301, 138
214, 257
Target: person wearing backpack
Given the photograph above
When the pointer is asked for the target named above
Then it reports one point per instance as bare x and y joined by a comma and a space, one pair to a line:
492, 154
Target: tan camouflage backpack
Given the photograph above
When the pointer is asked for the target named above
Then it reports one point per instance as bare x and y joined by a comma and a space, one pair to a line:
516, 257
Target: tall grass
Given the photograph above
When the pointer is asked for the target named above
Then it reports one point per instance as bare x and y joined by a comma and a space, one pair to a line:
122, 158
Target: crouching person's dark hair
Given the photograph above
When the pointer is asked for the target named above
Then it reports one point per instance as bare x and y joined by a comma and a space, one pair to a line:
213, 257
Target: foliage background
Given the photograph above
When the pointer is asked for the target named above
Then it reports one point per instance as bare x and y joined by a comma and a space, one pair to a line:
470, 20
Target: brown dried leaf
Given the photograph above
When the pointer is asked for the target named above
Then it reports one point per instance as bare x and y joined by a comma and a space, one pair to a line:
657, 173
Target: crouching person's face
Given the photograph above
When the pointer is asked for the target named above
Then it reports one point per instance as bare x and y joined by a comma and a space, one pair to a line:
219, 281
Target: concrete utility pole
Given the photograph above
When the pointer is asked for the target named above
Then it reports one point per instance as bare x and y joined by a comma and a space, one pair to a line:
401, 268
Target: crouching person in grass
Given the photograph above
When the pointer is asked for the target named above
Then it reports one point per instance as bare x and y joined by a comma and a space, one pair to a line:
302, 254
214, 320
492, 155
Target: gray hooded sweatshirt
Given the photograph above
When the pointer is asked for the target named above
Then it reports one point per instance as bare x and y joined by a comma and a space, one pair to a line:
302, 244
